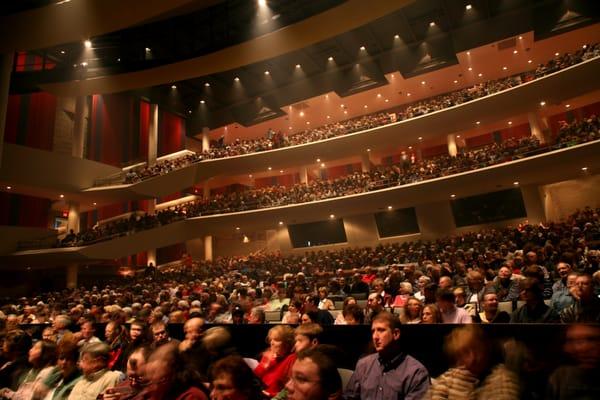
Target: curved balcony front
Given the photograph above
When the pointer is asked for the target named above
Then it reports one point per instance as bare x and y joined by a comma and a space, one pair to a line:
554, 166
553, 89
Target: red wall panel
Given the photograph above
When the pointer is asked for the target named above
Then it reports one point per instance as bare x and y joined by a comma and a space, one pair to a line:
171, 133
21, 210
30, 120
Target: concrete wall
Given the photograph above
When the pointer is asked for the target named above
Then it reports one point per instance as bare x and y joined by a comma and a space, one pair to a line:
563, 198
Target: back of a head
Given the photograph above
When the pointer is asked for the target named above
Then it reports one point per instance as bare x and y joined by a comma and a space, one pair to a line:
216, 339
17, 343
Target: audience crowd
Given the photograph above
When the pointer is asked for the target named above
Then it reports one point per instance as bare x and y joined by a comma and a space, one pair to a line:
547, 273
385, 176
274, 140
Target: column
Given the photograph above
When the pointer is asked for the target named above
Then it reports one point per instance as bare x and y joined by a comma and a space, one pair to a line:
205, 139
435, 220
533, 204
208, 248
304, 175
539, 127
72, 270
153, 135
79, 126
151, 206
365, 161
73, 217
6, 64
206, 190
151, 253
452, 148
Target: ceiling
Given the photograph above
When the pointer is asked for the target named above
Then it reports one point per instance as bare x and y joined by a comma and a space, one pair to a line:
419, 39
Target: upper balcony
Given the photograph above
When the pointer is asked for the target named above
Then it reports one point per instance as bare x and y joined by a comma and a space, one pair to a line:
554, 88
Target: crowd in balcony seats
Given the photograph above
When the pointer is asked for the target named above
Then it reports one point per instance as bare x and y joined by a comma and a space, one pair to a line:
546, 273
406, 172
274, 140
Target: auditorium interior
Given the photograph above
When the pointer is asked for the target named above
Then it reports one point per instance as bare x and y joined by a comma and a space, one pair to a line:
197, 148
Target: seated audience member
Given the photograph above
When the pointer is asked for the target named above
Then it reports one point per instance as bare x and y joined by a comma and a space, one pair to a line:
61, 329
135, 382
475, 288
374, 307
562, 297
429, 292
431, 315
86, 332
450, 313
274, 366
379, 287
534, 310
138, 336
96, 375
339, 320
314, 376
321, 317
68, 374
216, 343
412, 312
421, 283
257, 316
307, 336
279, 300
460, 299
117, 337
160, 334
15, 351
42, 357
48, 334
404, 292
490, 313
580, 380
445, 282
353, 315
506, 288
325, 303
389, 373
587, 304
473, 376
292, 315
357, 287
169, 377
563, 269
232, 379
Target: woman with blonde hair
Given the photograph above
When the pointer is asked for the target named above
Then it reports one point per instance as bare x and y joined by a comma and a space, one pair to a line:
274, 366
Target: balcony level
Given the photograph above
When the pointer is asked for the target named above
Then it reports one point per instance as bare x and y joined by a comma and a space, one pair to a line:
556, 166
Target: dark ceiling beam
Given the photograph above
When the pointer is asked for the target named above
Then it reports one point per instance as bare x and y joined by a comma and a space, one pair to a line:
76, 21
347, 16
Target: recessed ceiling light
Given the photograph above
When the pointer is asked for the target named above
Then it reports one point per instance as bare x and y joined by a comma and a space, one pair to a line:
480, 74
520, 37
362, 47
330, 58
504, 68
345, 112
468, 53
542, 103
202, 101
322, 165
329, 116
237, 228
478, 122
173, 86
302, 113
250, 176
510, 122
148, 49
280, 222
207, 84
557, 54
420, 138
453, 195
189, 111
236, 79
270, 168
432, 23
387, 100
298, 66
95, 203
8, 187
62, 52
396, 36
410, 147
281, 171
368, 150
529, 61
390, 207
365, 106
289, 127
567, 105
458, 136
584, 168
516, 183
307, 122
378, 95
88, 44
62, 196
470, 68
332, 216
408, 94
422, 82
468, 6
318, 160
515, 51
456, 81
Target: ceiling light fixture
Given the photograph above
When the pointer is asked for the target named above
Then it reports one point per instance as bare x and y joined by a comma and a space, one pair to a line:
331, 216
88, 44
542, 103
330, 58
468, 7
362, 48
173, 87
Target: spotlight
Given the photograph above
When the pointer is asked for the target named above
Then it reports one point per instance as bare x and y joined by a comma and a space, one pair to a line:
88, 44
396, 36
269, 168
584, 168
516, 183
362, 48
207, 84
529, 61
298, 66
202, 101
510, 122
422, 82
478, 122
267, 72
331, 216
148, 49
236, 79
452, 195
515, 51
567, 105
62, 196
173, 87
432, 23
468, 7
389, 207
330, 58
455, 81
8, 187
280, 223
542, 103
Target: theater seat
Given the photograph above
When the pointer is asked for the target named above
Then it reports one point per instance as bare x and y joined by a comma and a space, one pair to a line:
345, 374
505, 306
273, 316
251, 362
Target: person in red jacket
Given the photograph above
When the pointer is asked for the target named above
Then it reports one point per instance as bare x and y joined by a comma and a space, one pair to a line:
276, 361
